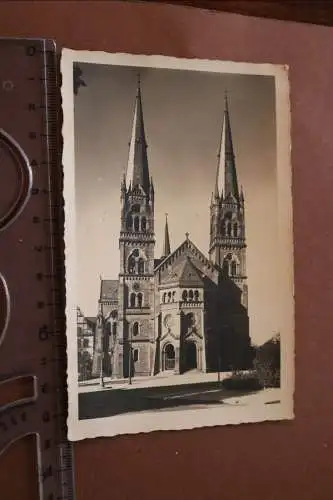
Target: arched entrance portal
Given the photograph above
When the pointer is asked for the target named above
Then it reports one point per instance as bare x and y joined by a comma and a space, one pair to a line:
191, 362
169, 357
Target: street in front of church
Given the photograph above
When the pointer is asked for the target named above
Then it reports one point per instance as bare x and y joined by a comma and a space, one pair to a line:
120, 398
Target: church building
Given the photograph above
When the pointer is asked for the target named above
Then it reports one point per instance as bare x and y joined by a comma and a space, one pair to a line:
182, 310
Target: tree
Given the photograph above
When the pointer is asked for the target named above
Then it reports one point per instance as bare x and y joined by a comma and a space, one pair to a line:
85, 365
267, 362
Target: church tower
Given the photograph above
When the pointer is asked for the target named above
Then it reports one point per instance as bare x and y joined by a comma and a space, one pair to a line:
136, 245
227, 218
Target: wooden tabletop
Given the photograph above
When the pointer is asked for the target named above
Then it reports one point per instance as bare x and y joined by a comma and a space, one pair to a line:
308, 11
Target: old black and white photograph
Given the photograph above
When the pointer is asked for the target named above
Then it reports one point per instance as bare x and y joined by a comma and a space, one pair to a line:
178, 243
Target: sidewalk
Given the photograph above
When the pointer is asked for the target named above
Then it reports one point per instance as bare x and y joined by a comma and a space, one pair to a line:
263, 397
153, 381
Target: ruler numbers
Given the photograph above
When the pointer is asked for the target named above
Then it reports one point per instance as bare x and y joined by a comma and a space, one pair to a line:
48, 412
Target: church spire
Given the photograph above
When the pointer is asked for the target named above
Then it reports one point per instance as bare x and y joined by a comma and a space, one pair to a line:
137, 168
166, 244
226, 176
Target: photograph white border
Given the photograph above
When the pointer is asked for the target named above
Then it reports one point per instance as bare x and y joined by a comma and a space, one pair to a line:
188, 419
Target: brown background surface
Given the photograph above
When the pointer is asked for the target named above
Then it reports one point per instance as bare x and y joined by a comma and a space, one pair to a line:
269, 460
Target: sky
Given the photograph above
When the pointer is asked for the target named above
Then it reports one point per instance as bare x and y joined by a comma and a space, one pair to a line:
183, 113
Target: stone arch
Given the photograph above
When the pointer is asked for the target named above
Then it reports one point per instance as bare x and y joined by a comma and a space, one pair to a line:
129, 222
136, 262
136, 223
169, 356
139, 299
141, 265
190, 355
132, 300
135, 208
230, 265
135, 328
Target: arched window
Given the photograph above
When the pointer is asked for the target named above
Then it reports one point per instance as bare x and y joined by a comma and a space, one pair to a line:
108, 328
190, 295
190, 320
233, 268
164, 298
135, 253
131, 264
129, 222
132, 300
173, 296
135, 355
135, 328
225, 266
169, 297
169, 357
184, 295
136, 223
143, 223
141, 266
196, 295
135, 209
228, 228
139, 299
235, 230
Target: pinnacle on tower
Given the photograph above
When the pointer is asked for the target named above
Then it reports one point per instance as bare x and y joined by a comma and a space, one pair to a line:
166, 244
137, 168
226, 175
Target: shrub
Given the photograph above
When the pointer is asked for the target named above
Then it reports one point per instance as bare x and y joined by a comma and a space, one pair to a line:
240, 381
267, 363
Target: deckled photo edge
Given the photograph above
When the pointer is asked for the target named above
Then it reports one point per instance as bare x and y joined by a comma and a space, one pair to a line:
128, 424
68, 161
285, 221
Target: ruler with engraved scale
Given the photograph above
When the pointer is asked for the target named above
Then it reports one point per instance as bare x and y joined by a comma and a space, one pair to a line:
32, 323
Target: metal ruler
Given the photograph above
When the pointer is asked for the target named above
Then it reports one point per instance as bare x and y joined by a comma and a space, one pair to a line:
32, 323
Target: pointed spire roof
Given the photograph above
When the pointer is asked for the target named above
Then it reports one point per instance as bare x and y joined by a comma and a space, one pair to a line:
226, 174
166, 244
137, 173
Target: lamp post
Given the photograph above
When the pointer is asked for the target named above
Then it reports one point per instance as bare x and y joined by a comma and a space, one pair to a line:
219, 355
101, 321
101, 381
130, 357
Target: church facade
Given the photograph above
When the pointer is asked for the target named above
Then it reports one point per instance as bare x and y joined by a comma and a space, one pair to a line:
183, 310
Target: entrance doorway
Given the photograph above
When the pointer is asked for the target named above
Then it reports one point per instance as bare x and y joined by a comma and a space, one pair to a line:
191, 362
169, 357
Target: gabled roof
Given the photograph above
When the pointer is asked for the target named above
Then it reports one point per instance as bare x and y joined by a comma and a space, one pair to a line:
184, 274
91, 320
109, 290
195, 250
157, 262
